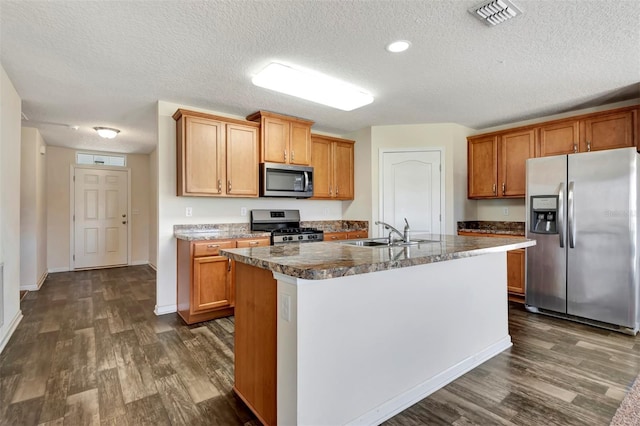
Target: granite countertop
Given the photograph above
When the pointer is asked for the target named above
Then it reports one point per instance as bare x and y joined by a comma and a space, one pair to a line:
492, 227
323, 260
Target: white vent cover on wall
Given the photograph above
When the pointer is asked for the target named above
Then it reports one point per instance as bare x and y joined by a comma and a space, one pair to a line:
495, 12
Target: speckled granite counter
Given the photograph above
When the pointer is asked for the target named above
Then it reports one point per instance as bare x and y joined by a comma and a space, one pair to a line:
492, 227
317, 261
222, 231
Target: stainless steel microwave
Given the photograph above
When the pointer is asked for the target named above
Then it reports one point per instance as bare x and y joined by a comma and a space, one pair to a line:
286, 180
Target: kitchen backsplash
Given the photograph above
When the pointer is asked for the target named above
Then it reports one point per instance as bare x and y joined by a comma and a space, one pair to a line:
245, 228
490, 226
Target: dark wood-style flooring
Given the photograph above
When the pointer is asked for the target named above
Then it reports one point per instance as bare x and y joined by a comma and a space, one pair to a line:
91, 351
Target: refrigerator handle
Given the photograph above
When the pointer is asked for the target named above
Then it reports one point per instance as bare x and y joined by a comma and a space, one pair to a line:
571, 219
560, 215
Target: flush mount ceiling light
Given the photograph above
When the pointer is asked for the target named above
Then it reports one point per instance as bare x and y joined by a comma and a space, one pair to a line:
106, 132
398, 46
495, 12
312, 86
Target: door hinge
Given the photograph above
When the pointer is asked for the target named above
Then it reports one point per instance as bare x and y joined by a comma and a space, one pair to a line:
74, 257
440, 217
440, 167
74, 217
74, 178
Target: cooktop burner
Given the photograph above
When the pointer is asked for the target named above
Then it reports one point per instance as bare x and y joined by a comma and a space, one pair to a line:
284, 226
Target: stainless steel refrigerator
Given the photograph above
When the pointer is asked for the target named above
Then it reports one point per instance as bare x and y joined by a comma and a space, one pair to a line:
582, 211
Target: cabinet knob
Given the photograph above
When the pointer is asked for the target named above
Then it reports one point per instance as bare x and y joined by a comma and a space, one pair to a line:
333, 237
229, 185
229, 265
253, 243
503, 188
575, 147
494, 188
219, 185
588, 146
212, 245
292, 154
336, 190
285, 155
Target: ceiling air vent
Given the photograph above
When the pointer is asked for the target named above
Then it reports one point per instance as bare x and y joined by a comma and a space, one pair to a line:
495, 12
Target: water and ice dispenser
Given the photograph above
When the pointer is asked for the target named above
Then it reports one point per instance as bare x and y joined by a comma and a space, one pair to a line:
544, 214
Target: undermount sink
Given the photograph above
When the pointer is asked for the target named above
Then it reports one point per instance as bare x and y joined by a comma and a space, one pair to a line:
384, 242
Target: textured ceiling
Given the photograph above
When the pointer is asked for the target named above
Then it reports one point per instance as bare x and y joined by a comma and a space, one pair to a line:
107, 63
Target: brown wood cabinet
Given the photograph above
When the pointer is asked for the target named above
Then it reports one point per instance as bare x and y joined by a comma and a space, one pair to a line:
333, 167
496, 164
216, 156
515, 267
206, 279
590, 132
283, 139
345, 235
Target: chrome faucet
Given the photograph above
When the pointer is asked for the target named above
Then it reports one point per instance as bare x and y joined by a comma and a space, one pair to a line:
405, 236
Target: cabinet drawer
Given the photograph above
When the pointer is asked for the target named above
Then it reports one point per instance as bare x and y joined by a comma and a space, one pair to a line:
354, 235
336, 236
211, 248
256, 242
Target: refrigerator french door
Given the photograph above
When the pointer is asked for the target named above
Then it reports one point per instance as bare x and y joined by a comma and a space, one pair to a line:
581, 210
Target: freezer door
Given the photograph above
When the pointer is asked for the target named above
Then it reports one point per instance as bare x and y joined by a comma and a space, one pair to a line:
601, 262
546, 285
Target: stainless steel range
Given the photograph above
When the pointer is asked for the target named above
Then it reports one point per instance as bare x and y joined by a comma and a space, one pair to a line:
284, 226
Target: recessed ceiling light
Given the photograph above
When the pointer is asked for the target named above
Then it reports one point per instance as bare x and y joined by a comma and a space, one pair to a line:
398, 46
106, 132
312, 86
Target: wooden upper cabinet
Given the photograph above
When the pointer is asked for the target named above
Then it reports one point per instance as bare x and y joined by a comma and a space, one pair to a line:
322, 167
242, 160
333, 168
559, 138
515, 149
609, 131
216, 156
283, 139
482, 157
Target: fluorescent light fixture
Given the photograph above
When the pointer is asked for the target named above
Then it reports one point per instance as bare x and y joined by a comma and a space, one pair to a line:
106, 132
398, 46
312, 86
495, 12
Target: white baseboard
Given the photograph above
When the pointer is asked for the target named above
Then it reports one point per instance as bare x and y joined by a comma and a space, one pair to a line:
61, 269
424, 389
167, 309
139, 262
153, 267
35, 287
10, 329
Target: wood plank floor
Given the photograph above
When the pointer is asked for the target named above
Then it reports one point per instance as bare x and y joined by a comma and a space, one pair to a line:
91, 351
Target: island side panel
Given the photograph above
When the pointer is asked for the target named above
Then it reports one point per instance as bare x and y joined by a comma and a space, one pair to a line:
255, 341
371, 345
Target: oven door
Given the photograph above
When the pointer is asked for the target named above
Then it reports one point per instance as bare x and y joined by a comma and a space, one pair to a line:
285, 180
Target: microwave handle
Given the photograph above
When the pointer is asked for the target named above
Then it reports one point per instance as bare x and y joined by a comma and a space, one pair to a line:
306, 181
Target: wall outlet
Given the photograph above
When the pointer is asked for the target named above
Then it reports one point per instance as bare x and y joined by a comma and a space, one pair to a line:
285, 306
188, 212
243, 211
505, 211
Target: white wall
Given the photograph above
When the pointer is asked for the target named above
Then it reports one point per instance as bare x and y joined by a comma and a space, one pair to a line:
59, 161
360, 207
153, 208
452, 139
10, 110
171, 208
33, 210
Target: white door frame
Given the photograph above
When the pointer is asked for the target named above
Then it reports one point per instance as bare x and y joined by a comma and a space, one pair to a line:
72, 206
439, 150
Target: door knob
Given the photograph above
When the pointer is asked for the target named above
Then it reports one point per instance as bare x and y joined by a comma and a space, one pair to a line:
124, 222
124, 215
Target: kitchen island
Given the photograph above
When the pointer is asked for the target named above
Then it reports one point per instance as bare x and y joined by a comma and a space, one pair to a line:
331, 333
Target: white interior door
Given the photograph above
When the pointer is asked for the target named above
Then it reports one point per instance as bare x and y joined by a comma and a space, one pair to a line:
100, 217
411, 187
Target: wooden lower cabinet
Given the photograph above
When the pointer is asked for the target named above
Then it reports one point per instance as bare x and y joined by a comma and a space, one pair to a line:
515, 267
206, 286
345, 235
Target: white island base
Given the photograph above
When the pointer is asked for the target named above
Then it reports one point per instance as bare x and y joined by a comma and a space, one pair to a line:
361, 348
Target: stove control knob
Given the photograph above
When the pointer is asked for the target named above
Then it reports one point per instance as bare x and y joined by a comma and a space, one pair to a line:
300, 237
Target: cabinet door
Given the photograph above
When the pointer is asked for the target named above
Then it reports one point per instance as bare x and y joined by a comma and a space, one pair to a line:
559, 138
608, 132
204, 153
212, 284
242, 160
343, 170
336, 236
300, 144
482, 167
322, 167
515, 271
515, 149
275, 140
